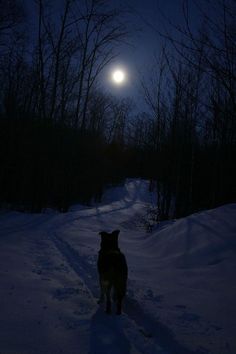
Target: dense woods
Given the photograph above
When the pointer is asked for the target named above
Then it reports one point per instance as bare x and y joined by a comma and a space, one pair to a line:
60, 136
192, 128
62, 139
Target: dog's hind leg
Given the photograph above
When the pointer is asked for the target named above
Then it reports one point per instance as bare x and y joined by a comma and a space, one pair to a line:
120, 289
101, 299
114, 296
108, 296
117, 298
118, 305
103, 287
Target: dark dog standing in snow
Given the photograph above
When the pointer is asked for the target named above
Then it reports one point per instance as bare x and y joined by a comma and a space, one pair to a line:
113, 271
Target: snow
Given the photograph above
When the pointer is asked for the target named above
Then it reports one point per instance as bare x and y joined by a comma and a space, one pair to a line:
181, 295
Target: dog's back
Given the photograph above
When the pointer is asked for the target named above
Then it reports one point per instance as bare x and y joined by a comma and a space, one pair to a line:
112, 268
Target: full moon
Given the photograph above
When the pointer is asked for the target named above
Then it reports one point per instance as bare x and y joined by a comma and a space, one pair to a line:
118, 77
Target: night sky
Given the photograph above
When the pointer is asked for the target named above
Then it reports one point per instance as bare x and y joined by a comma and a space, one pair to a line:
144, 43
136, 55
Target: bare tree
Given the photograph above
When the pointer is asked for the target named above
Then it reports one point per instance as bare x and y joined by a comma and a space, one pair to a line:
72, 54
11, 16
102, 29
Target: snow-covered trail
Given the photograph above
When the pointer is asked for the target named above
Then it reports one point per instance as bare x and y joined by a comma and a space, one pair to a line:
154, 336
49, 284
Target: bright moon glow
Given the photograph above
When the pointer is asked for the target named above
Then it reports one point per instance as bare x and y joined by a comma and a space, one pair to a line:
118, 77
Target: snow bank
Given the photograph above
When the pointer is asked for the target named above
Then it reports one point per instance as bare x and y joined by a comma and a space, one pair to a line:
202, 239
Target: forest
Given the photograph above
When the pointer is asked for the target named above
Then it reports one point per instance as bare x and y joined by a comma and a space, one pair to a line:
63, 139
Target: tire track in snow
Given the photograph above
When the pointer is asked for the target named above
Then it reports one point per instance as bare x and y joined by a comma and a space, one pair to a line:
151, 329
82, 268
155, 329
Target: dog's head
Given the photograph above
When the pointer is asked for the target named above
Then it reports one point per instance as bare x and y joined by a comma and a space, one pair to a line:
109, 241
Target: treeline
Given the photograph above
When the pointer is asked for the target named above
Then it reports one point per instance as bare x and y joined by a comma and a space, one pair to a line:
43, 165
189, 137
62, 140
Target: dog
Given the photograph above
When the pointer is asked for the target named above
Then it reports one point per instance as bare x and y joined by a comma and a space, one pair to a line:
113, 271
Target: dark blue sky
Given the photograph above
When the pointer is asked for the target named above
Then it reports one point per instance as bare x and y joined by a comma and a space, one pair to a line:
146, 16
138, 55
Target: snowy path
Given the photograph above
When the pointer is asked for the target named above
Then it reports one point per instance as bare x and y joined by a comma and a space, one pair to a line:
181, 289
156, 335
114, 327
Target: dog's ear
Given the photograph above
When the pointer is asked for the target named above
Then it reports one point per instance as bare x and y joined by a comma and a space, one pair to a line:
116, 233
102, 233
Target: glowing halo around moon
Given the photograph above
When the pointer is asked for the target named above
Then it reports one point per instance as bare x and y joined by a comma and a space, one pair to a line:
118, 76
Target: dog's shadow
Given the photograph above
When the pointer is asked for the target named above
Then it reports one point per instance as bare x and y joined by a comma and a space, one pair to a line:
107, 334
